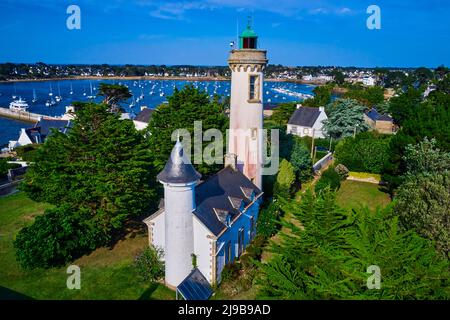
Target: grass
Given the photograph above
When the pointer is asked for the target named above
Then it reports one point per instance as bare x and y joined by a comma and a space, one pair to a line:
106, 273
354, 194
365, 175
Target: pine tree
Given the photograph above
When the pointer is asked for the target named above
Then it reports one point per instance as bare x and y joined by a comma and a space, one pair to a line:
325, 251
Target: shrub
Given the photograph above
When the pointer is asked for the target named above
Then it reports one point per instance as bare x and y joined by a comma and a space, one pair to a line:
55, 238
285, 180
230, 272
267, 224
149, 265
368, 152
301, 161
342, 171
330, 178
423, 204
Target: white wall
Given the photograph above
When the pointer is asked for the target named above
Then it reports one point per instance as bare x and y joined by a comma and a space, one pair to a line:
202, 249
158, 231
140, 125
179, 201
243, 117
23, 138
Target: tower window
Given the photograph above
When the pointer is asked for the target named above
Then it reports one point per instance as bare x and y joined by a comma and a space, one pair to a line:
249, 43
253, 88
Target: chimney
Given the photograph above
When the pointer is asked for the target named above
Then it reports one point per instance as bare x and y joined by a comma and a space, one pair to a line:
322, 109
231, 161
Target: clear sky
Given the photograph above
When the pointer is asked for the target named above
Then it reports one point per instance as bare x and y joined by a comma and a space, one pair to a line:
295, 32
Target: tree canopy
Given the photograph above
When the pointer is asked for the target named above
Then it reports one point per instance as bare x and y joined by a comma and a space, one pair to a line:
183, 108
345, 117
113, 94
325, 252
98, 175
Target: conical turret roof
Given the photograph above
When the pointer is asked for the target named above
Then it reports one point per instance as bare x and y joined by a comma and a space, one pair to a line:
178, 168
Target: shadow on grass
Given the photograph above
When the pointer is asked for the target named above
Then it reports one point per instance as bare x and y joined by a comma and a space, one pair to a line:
147, 295
8, 294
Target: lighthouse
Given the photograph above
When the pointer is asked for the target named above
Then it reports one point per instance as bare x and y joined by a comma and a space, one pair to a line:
246, 106
179, 179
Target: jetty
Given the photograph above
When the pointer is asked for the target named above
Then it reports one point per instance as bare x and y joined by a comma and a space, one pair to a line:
24, 115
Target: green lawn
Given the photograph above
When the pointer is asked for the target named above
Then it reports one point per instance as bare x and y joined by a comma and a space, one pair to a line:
105, 273
354, 194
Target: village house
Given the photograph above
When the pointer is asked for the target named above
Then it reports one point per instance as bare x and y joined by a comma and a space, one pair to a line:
381, 123
39, 132
142, 120
307, 121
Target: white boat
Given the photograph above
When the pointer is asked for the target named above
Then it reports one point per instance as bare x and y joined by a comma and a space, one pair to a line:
51, 91
58, 98
34, 96
71, 89
92, 95
18, 105
50, 103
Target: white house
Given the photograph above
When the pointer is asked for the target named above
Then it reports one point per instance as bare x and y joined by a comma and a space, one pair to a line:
214, 219
142, 120
39, 132
204, 225
307, 121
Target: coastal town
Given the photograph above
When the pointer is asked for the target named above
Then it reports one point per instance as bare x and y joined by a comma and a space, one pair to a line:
243, 181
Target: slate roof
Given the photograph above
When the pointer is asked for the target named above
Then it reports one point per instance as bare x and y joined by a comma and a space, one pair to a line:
195, 286
304, 117
178, 168
374, 115
213, 195
145, 115
42, 129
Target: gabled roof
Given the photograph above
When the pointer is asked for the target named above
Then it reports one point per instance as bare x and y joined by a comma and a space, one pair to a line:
195, 287
178, 168
43, 128
305, 117
374, 115
216, 192
46, 125
145, 115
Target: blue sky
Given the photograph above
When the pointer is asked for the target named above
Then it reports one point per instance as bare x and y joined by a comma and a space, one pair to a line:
295, 32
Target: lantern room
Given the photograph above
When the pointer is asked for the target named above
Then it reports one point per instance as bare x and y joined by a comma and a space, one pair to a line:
248, 38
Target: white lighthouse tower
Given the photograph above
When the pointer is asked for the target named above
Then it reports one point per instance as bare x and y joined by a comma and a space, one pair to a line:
246, 111
179, 179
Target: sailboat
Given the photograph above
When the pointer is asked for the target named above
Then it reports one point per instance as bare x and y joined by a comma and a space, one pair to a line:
71, 89
34, 96
58, 98
92, 95
51, 91
14, 96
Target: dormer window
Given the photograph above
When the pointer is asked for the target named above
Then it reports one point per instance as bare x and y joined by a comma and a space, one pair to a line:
223, 216
236, 203
248, 193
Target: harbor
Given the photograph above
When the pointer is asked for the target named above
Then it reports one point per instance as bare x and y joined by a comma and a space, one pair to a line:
23, 116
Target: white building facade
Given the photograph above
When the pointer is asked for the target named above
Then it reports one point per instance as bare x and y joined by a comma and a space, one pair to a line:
307, 122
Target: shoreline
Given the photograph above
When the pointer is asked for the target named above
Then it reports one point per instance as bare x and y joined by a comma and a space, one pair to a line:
156, 78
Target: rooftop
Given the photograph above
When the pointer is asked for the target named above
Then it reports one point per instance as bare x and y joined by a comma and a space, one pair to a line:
305, 116
178, 168
223, 192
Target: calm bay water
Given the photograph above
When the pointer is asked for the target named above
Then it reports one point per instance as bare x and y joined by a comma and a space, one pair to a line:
154, 93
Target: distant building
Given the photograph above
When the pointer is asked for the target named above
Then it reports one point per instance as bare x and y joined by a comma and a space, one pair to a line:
142, 120
381, 123
307, 121
369, 81
39, 132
